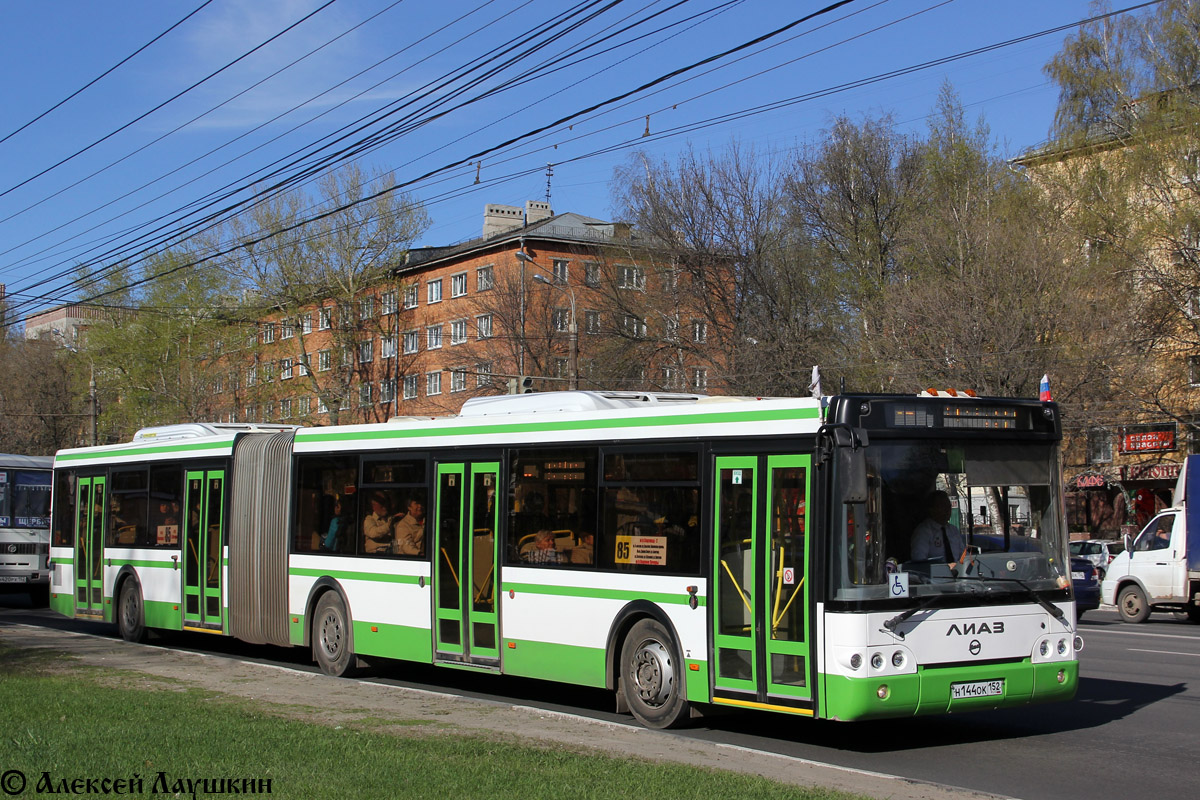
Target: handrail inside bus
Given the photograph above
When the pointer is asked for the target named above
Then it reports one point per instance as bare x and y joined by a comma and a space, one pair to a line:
450, 564
737, 586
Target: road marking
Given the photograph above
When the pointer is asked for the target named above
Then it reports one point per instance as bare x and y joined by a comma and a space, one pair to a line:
1090, 631
1164, 652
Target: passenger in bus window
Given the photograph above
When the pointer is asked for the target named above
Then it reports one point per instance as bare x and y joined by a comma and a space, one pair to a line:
409, 531
542, 549
584, 552
377, 525
331, 542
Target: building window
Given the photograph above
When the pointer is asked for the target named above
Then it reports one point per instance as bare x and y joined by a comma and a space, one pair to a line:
347, 355
458, 331
302, 364
1194, 370
591, 321
433, 383
672, 329
631, 278
388, 303
483, 324
285, 369
252, 376
434, 289
268, 334
699, 331
635, 327
366, 308
483, 374
485, 278
458, 379
364, 394
387, 346
366, 350
267, 375
387, 390
345, 315
410, 387
670, 378
306, 324
322, 406
560, 318
699, 379
458, 284
433, 337
325, 318
304, 406
324, 361
591, 274
287, 330
285, 408
410, 296
412, 342
1099, 446
561, 269
560, 367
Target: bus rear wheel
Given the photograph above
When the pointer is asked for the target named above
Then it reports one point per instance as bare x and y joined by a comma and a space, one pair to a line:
331, 637
131, 621
652, 676
1133, 605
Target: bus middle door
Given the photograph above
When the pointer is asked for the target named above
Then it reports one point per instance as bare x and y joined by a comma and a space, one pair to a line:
761, 651
465, 615
203, 540
89, 546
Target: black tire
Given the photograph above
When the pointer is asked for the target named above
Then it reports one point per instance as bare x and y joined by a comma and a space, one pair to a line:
332, 643
1193, 614
131, 617
1132, 604
652, 676
39, 595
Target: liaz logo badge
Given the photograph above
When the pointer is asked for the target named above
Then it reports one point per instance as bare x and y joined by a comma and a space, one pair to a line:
975, 628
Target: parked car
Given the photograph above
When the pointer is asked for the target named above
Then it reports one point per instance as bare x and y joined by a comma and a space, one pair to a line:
1100, 552
1085, 578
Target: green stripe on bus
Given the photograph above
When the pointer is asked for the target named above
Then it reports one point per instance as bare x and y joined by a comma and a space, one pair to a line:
116, 562
583, 666
145, 451
681, 598
347, 575
571, 425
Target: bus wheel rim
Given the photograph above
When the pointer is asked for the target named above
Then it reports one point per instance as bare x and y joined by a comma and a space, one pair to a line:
653, 674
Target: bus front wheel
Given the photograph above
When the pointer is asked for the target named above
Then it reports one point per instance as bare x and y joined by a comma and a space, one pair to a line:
652, 676
331, 636
1133, 605
131, 622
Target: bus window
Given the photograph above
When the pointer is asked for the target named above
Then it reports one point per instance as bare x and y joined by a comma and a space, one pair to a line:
650, 512
166, 507
327, 516
552, 508
64, 511
128, 499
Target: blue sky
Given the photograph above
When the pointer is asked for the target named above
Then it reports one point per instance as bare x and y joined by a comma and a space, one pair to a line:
51, 221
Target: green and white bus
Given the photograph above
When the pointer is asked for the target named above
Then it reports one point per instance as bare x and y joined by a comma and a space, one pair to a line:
682, 551
25, 524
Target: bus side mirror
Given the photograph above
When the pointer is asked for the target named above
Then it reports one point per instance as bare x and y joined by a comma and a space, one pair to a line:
852, 472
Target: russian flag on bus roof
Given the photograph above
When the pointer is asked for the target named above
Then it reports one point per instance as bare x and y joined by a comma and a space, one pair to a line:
1044, 389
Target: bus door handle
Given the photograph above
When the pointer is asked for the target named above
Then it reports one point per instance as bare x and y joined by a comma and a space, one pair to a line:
174, 563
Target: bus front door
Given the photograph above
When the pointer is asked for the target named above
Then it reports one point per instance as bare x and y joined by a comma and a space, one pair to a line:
89, 547
761, 643
465, 615
203, 538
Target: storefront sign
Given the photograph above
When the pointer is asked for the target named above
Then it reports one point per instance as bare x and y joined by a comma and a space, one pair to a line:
1147, 441
1152, 472
1091, 482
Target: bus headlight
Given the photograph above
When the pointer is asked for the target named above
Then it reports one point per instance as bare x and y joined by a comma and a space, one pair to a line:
898, 659
877, 660
856, 661
1062, 647
1078, 643
1044, 648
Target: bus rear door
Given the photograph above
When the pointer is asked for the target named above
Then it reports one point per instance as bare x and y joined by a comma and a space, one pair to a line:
761, 645
89, 546
203, 540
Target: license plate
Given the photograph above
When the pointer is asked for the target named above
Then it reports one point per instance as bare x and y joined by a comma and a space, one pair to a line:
959, 691
12, 579
1076, 576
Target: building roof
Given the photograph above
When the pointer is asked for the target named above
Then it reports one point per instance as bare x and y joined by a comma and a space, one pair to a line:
568, 228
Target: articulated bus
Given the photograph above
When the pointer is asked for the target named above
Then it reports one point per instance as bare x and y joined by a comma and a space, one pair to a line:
25, 524
683, 551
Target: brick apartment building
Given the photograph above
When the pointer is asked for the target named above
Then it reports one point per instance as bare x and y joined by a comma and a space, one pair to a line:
538, 300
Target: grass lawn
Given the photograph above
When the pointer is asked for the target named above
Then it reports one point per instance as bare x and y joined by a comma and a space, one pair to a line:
78, 723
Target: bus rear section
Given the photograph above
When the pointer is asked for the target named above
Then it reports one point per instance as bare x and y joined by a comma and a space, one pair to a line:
25, 525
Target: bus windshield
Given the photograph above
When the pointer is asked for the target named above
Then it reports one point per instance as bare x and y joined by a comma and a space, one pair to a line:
24, 498
952, 517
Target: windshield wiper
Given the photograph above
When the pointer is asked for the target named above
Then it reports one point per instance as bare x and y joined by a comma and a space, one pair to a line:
889, 626
1030, 592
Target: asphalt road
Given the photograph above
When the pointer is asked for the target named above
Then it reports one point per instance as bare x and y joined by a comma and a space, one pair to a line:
1130, 733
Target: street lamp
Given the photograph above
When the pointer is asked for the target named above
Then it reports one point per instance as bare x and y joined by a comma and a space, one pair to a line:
572, 331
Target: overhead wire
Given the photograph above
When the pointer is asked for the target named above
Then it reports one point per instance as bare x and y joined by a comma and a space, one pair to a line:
104, 74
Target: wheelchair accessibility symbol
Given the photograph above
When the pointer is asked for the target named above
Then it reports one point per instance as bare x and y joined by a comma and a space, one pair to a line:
898, 584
